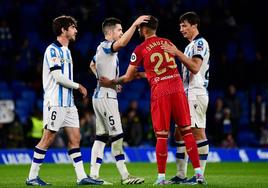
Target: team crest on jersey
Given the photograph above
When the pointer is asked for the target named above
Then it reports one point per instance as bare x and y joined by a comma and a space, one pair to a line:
133, 57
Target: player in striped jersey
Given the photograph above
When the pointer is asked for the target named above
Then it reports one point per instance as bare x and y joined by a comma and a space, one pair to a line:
195, 72
108, 121
59, 110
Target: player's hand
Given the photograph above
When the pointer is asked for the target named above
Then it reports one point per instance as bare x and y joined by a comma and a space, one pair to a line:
139, 75
141, 19
106, 82
82, 90
119, 88
172, 49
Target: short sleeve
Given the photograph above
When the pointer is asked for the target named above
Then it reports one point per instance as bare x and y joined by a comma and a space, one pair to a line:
53, 58
107, 47
199, 48
136, 57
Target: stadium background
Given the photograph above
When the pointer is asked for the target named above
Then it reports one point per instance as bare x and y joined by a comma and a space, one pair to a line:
237, 114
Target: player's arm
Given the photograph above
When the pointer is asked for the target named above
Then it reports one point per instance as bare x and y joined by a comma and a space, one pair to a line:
65, 82
127, 77
93, 68
117, 45
192, 64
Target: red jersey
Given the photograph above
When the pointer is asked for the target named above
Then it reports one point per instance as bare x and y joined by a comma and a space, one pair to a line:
160, 67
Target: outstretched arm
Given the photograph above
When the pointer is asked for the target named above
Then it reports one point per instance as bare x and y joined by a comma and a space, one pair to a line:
192, 64
129, 33
130, 75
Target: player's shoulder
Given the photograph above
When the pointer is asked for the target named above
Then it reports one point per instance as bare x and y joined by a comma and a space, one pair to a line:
106, 43
199, 40
53, 49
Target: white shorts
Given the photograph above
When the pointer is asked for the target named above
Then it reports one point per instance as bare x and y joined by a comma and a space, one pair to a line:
108, 119
198, 109
56, 117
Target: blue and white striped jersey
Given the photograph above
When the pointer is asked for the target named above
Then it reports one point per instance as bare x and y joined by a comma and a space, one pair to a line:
196, 84
107, 64
57, 57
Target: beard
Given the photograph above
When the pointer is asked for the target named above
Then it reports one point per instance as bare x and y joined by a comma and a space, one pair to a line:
72, 39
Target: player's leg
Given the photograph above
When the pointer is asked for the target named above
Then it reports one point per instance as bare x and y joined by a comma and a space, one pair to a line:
181, 159
101, 139
53, 118
71, 126
113, 122
199, 112
181, 114
161, 112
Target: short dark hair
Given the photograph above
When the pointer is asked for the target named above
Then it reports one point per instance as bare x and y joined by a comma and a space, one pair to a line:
152, 23
62, 22
108, 23
191, 17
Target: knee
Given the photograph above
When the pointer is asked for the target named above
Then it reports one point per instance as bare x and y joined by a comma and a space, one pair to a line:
199, 133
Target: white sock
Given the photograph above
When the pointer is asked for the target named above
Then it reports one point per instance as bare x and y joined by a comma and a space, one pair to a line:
203, 150
38, 158
181, 160
96, 158
122, 168
117, 151
76, 157
161, 176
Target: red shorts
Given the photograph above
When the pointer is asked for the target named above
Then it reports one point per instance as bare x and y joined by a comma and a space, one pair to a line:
173, 106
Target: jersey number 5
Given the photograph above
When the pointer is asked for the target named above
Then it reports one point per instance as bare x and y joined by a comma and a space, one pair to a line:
159, 59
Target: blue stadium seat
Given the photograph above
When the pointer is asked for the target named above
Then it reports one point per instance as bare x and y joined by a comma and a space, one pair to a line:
3, 86
123, 104
144, 106
6, 94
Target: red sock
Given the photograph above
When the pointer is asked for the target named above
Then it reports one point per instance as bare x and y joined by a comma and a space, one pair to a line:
161, 154
191, 149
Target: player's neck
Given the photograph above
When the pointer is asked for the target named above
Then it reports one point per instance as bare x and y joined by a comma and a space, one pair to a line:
109, 38
149, 36
193, 36
63, 41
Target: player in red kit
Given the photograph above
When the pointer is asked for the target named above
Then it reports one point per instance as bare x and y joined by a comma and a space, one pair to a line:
168, 99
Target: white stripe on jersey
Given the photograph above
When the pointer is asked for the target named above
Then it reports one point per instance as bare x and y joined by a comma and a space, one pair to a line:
107, 64
196, 84
57, 57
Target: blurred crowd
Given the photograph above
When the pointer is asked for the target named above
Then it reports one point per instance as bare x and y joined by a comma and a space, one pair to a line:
237, 114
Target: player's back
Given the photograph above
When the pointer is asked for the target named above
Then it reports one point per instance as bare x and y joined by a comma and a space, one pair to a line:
160, 66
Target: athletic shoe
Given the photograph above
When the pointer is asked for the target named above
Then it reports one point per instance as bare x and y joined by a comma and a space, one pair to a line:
104, 182
132, 180
177, 180
162, 181
197, 179
89, 181
37, 181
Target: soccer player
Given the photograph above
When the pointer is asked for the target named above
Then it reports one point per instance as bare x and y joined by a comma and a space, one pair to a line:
195, 70
105, 104
59, 110
168, 99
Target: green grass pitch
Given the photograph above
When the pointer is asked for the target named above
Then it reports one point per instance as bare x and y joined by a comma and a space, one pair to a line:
218, 175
